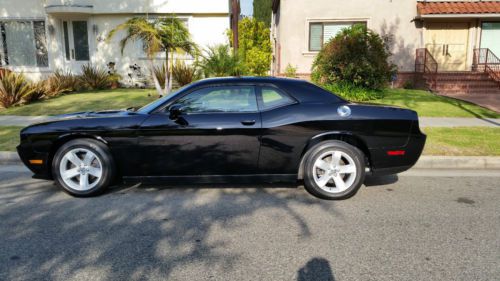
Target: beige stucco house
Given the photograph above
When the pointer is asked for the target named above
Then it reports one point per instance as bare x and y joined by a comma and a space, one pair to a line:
450, 31
39, 36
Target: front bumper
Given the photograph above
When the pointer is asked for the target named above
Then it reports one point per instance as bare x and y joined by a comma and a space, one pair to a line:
41, 171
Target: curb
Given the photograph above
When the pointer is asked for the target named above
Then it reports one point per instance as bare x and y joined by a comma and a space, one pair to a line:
458, 162
425, 162
9, 158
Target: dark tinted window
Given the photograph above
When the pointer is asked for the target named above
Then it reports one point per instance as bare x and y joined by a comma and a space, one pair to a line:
272, 97
220, 99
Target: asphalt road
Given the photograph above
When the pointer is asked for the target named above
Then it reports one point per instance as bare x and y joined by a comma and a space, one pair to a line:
445, 226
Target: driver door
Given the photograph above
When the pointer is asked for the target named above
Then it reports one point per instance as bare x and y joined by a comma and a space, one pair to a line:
214, 131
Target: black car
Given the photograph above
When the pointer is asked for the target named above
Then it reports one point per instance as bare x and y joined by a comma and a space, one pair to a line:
228, 129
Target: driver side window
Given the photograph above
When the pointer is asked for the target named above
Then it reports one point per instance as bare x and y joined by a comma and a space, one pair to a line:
219, 99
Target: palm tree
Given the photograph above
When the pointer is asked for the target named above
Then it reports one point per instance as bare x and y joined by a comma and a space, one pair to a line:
163, 34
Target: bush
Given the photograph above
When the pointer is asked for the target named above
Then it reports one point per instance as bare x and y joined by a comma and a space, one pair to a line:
13, 87
353, 93
357, 56
184, 74
219, 61
161, 73
290, 71
62, 82
95, 78
39, 91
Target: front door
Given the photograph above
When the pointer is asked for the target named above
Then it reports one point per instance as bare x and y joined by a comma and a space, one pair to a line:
76, 44
216, 133
447, 42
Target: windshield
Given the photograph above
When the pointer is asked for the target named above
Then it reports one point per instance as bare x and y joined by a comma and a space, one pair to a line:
151, 106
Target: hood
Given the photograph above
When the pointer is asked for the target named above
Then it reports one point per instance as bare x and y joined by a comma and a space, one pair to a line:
94, 114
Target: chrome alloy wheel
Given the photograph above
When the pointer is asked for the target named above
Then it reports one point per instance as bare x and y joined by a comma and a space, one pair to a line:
80, 169
334, 171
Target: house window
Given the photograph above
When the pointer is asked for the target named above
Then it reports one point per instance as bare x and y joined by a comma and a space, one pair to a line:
23, 43
321, 32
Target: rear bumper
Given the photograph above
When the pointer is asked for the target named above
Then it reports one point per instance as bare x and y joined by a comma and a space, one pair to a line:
384, 164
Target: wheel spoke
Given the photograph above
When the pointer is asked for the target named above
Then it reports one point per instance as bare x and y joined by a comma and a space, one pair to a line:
347, 169
89, 157
323, 180
69, 174
323, 165
339, 182
73, 158
336, 158
96, 172
84, 181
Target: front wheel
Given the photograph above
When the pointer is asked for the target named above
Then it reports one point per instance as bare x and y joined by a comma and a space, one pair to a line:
334, 170
83, 167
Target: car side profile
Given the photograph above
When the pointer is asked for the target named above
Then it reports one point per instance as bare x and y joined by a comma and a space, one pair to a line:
226, 130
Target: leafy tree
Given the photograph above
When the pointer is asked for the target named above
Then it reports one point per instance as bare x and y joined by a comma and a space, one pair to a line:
357, 56
262, 11
254, 46
168, 34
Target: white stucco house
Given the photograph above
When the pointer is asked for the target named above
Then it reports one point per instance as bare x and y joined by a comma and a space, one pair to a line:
38, 37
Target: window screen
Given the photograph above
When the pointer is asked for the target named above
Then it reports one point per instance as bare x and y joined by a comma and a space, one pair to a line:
220, 99
272, 98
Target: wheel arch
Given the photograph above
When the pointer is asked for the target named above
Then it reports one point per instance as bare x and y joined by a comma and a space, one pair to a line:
62, 139
346, 137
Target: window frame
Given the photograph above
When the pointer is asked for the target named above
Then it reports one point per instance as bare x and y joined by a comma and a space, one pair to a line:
164, 108
260, 99
4, 56
325, 22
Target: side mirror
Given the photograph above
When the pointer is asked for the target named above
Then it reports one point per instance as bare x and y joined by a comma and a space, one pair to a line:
175, 111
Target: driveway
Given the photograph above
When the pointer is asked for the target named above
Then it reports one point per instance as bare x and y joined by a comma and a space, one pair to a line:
412, 227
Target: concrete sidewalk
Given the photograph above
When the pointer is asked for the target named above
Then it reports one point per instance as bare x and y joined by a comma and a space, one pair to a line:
13, 120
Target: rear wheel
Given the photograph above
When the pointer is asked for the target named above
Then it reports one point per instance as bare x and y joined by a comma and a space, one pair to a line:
334, 170
83, 167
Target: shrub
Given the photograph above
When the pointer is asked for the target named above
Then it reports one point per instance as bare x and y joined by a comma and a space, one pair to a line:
356, 55
13, 87
161, 73
219, 61
39, 91
184, 74
62, 82
353, 93
94, 78
290, 71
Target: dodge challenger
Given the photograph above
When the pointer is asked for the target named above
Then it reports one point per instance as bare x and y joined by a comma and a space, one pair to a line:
226, 130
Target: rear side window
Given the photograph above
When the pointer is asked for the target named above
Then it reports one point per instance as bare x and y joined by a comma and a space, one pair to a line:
272, 98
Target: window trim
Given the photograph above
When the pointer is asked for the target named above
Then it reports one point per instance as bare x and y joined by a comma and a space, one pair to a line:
162, 109
260, 99
4, 57
309, 22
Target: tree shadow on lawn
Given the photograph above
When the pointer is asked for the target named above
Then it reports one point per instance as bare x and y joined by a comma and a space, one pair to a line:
134, 232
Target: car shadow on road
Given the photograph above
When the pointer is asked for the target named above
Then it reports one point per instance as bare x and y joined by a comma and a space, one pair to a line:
137, 232
380, 180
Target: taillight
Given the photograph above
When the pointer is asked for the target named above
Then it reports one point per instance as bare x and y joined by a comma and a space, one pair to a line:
396, 152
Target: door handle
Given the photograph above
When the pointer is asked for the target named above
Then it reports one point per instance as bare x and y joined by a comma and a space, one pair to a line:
248, 122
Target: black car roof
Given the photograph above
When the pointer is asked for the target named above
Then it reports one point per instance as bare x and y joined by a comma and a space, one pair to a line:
302, 90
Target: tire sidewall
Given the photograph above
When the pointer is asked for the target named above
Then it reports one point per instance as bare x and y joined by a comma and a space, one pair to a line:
100, 150
316, 152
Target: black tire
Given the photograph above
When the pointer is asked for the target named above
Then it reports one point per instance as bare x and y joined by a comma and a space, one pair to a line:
103, 154
320, 149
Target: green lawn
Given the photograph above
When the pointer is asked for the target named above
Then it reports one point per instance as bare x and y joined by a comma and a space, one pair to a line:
462, 141
431, 105
466, 141
86, 101
9, 138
